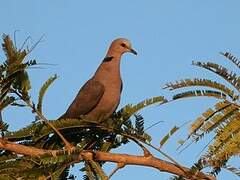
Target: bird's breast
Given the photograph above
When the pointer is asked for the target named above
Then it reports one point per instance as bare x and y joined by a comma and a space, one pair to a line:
109, 101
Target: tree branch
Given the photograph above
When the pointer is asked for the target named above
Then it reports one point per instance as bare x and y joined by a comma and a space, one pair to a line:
125, 159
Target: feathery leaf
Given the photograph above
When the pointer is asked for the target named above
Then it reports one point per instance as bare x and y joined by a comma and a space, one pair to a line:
43, 90
229, 76
232, 58
202, 82
168, 135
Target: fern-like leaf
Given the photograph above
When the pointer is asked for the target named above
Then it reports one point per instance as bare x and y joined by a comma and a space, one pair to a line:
98, 170
43, 91
198, 123
233, 169
229, 76
232, 58
168, 135
202, 82
139, 124
197, 93
8, 48
130, 109
7, 101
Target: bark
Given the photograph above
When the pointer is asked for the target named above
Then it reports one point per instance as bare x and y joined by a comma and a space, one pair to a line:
149, 161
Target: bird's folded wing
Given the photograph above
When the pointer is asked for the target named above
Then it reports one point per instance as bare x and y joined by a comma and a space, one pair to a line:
86, 99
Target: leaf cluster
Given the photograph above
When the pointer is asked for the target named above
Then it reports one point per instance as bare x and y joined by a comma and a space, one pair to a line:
222, 120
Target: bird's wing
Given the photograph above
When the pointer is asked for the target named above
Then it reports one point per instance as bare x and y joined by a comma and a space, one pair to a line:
86, 99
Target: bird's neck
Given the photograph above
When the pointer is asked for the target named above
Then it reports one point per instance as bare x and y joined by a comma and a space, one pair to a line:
112, 53
110, 65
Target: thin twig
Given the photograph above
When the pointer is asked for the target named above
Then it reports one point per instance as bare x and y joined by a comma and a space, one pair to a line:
149, 127
14, 35
28, 103
25, 41
35, 45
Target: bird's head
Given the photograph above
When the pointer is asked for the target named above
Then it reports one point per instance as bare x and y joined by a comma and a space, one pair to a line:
121, 46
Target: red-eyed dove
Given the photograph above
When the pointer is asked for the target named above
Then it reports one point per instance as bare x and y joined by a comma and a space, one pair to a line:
99, 96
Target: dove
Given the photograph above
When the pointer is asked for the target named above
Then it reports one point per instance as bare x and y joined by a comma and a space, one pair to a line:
99, 97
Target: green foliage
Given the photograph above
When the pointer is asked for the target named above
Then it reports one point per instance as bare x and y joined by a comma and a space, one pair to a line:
124, 126
232, 58
233, 170
43, 91
13, 76
13, 70
203, 83
168, 135
223, 72
130, 109
222, 120
139, 124
195, 93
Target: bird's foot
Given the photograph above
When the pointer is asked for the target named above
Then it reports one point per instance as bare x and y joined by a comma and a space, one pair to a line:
70, 148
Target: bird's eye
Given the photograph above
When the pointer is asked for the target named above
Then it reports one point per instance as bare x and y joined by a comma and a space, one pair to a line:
123, 45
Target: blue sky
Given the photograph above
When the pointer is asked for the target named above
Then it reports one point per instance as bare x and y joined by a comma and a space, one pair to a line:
168, 36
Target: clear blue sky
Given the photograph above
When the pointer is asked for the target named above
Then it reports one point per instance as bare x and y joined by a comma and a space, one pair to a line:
168, 35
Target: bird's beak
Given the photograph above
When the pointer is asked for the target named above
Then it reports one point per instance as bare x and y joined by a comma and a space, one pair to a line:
133, 51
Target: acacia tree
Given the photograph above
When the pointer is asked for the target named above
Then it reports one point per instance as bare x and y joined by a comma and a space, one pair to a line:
46, 149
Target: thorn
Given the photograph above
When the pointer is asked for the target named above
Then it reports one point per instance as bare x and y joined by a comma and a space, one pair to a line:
119, 166
146, 152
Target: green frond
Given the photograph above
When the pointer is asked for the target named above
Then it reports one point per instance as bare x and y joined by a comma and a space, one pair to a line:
130, 109
7, 101
98, 170
22, 83
43, 90
212, 119
7, 156
58, 173
233, 169
3, 126
13, 70
227, 135
89, 173
15, 168
195, 126
202, 82
23, 134
49, 160
197, 93
229, 76
218, 118
198, 166
168, 135
232, 58
139, 124
8, 48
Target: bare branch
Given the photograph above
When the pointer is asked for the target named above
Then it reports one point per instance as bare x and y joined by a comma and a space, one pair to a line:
125, 159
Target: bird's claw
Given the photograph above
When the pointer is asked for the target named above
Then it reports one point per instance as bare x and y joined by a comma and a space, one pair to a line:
70, 148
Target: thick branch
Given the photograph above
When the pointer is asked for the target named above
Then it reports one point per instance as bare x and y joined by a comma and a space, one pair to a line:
21, 149
126, 159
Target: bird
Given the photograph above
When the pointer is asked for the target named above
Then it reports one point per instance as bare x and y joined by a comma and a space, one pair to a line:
99, 97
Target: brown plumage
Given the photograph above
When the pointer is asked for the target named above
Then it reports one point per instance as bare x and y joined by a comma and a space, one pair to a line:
99, 96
